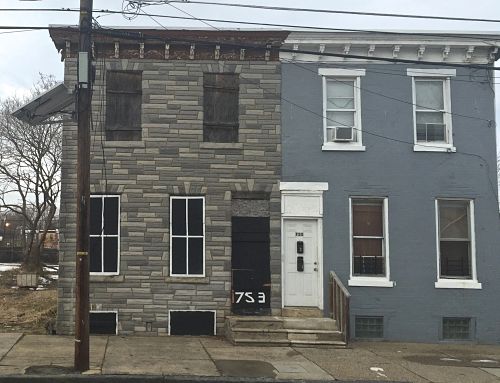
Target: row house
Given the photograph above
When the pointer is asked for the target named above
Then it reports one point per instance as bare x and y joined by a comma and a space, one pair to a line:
244, 180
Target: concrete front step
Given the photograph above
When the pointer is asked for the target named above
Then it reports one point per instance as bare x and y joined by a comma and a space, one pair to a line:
286, 334
284, 331
289, 343
302, 312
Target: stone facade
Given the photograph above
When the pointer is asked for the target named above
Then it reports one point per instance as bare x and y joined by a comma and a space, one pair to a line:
172, 159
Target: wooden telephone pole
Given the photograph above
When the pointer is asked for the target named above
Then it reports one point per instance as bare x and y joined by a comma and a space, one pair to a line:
84, 97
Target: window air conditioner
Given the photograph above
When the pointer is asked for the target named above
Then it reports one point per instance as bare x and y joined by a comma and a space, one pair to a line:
343, 134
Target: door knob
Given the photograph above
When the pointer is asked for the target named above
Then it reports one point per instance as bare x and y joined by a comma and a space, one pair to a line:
315, 269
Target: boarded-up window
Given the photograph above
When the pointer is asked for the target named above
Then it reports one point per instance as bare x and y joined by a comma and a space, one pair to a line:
123, 105
102, 323
220, 107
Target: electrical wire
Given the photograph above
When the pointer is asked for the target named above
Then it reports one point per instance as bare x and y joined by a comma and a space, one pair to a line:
328, 11
325, 117
490, 122
483, 38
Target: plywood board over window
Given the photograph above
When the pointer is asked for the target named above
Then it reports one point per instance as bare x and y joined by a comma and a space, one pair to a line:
123, 105
220, 107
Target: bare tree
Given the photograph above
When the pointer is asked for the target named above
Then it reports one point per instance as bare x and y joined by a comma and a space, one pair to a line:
30, 165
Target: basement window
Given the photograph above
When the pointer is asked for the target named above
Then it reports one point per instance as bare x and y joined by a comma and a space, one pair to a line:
371, 327
191, 322
457, 328
103, 322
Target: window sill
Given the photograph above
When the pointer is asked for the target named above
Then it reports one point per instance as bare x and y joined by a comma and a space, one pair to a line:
343, 147
187, 280
458, 284
434, 148
221, 145
370, 282
106, 278
124, 144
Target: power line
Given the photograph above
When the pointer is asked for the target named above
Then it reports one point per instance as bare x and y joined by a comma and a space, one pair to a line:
274, 8
140, 35
324, 116
394, 72
395, 98
486, 40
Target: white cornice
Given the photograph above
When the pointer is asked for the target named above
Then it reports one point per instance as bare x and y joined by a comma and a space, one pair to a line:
469, 48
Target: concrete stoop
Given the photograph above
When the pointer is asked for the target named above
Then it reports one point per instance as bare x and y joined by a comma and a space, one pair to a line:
283, 331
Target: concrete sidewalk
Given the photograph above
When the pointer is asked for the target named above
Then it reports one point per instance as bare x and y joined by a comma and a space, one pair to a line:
215, 357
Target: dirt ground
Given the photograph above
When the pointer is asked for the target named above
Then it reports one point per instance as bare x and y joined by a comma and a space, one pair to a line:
25, 310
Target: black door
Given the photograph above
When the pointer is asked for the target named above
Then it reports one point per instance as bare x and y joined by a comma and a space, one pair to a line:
251, 274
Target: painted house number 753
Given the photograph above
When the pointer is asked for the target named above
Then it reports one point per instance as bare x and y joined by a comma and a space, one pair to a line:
261, 297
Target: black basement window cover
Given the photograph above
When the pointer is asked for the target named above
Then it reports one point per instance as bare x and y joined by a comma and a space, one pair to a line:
192, 323
102, 323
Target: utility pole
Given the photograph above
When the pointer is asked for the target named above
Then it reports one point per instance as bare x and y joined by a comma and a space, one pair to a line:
84, 98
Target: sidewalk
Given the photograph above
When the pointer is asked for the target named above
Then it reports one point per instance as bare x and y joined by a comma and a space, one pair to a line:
193, 357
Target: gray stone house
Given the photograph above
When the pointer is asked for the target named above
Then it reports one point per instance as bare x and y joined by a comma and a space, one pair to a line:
186, 163
389, 180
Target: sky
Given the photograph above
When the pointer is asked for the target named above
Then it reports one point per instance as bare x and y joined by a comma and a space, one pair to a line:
25, 54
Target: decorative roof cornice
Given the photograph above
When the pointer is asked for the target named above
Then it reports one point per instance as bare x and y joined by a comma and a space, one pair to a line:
463, 48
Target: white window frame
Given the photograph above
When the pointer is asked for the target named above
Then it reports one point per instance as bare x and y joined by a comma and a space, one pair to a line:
102, 235
371, 281
186, 198
339, 74
457, 283
443, 75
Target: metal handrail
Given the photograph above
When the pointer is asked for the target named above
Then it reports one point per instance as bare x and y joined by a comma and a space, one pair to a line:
340, 305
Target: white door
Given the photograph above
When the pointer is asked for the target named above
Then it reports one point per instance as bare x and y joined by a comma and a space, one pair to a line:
301, 283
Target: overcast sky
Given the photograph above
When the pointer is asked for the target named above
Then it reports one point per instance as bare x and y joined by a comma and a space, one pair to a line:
25, 54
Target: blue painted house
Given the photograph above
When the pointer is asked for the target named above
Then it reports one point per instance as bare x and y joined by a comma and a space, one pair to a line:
389, 180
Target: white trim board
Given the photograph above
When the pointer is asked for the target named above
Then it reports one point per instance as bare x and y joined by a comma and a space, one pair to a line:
304, 186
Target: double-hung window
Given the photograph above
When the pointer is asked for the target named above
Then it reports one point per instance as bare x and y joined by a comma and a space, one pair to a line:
432, 109
369, 242
105, 234
342, 109
187, 236
455, 244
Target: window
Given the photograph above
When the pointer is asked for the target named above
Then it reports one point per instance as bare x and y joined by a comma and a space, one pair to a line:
220, 107
187, 236
195, 322
369, 327
103, 323
104, 234
123, 105
369, 243
342, 109
431, 109
457, 329
456, 254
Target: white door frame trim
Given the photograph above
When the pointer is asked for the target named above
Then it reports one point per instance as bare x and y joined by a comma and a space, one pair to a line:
306, 189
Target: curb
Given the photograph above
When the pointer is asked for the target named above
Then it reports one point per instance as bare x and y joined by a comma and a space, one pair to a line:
145, 378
